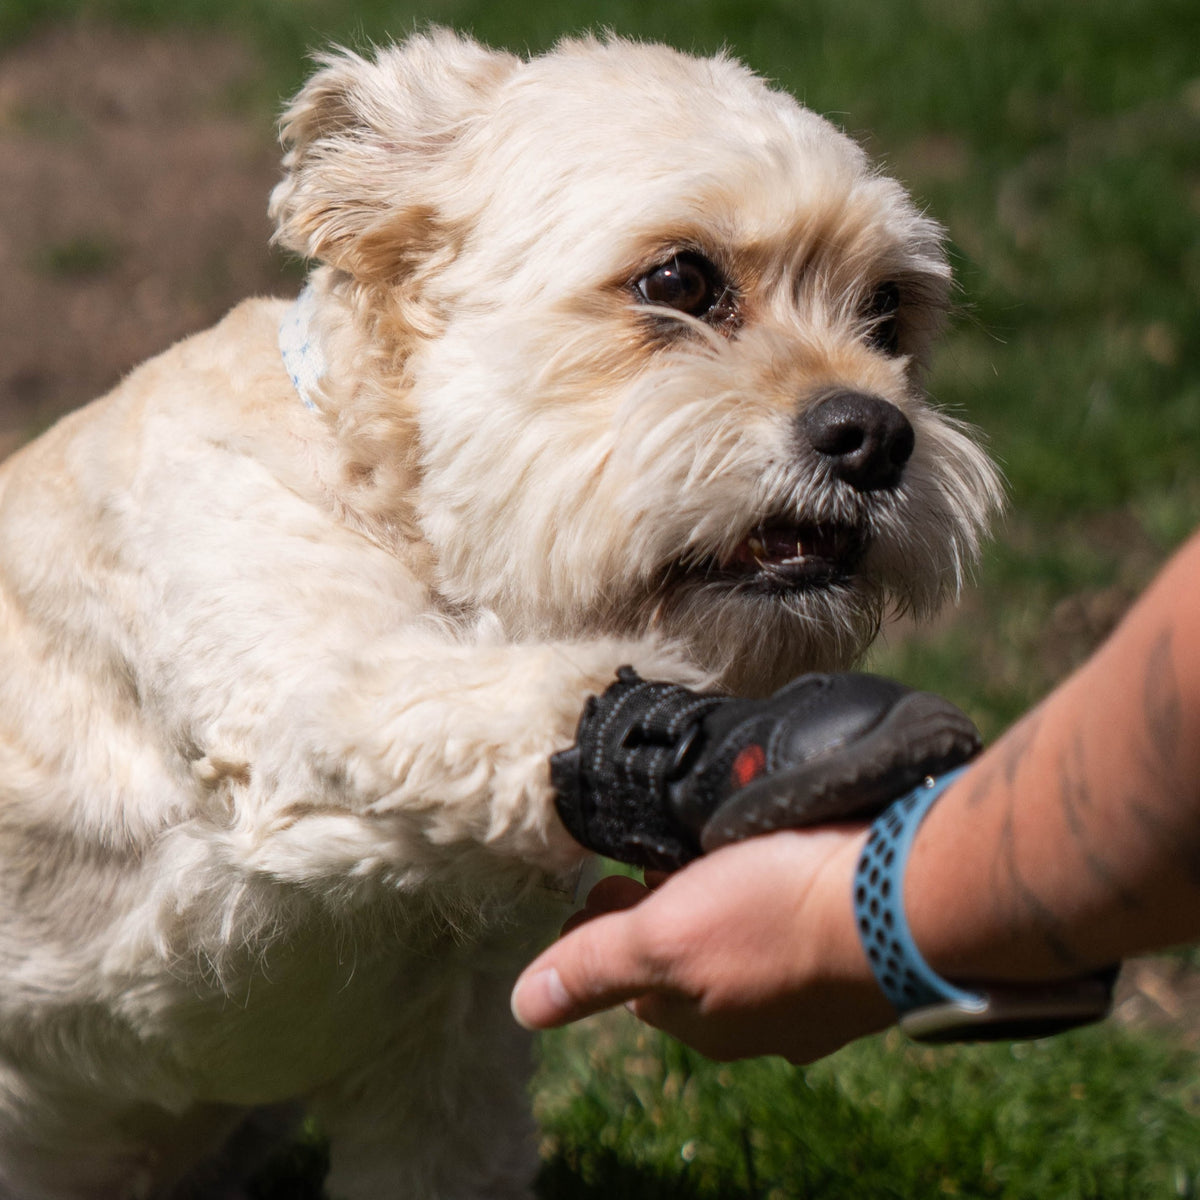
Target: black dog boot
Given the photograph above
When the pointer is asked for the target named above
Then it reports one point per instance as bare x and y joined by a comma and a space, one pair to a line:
660, 774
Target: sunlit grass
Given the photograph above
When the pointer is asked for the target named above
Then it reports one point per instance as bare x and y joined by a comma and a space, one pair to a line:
1096, 1114
1060, 144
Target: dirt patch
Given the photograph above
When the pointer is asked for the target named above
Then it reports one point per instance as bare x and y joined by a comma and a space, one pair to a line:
1161, 993
133, 199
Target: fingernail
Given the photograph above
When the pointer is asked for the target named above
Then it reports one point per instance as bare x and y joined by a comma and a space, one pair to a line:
540, 1000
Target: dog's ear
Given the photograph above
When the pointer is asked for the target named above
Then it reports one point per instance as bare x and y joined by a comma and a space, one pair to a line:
369, 143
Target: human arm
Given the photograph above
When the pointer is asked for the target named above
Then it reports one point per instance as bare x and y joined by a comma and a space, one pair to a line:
1084, 820
1071, 843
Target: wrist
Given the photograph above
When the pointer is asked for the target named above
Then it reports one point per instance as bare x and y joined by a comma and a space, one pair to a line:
929, 1006
964, 866
837, 954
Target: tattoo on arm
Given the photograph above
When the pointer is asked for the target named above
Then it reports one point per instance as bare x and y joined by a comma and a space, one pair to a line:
1165, 805
1160, 691
1026, 909
1042, 919
1017, 743
1012, 749
1076, 798
1158, 802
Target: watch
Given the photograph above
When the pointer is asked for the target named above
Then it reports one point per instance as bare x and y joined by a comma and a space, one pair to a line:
930, 1008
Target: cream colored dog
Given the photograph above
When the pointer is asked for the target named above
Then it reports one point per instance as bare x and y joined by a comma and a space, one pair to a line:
612, 357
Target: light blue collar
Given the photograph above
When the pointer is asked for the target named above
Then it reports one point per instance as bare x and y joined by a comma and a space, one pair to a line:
302, 354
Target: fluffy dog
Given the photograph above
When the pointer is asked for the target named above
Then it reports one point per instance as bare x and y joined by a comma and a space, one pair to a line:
611, 356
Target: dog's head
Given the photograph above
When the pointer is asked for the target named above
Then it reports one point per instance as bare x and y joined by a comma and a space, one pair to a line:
654, 333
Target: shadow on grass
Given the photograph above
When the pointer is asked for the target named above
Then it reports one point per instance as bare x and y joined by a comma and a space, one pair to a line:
298, 1173
603, 1174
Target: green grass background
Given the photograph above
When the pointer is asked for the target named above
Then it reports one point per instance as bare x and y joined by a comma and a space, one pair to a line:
1059, 142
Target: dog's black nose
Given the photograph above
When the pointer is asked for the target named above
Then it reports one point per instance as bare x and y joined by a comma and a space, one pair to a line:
865, 439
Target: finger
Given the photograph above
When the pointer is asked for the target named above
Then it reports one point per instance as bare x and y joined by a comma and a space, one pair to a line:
612, 894
599, 965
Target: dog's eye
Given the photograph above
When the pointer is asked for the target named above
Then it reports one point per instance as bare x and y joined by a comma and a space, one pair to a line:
883, 325
688, 283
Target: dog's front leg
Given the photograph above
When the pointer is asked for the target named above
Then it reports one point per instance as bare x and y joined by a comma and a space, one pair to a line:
425, 760
441, 1112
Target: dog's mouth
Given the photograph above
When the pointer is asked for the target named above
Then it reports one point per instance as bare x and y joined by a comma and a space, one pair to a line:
784, 557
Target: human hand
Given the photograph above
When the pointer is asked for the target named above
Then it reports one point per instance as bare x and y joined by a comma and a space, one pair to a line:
750, 950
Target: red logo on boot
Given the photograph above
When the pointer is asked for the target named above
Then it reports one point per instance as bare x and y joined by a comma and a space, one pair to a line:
748, 765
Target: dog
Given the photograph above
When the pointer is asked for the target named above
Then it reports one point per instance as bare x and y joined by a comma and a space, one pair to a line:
608, 356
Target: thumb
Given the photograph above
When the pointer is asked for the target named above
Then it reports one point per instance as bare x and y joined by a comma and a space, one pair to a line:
594, 967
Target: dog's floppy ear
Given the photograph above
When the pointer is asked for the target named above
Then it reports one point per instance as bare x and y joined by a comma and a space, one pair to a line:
368, 143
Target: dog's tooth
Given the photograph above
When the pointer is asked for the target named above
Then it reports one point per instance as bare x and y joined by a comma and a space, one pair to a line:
756, 546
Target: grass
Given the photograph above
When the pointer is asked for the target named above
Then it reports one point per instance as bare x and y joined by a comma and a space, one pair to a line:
1058, 143
1093, 1115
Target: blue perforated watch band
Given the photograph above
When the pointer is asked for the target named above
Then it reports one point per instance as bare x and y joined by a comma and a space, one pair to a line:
905, 977
930, 1008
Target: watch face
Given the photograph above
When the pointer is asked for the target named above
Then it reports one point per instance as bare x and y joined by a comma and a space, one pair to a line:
1015, 1014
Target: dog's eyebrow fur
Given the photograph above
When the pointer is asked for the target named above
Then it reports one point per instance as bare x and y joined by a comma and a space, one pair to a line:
836, 255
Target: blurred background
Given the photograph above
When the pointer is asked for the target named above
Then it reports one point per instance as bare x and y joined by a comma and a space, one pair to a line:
1059, 143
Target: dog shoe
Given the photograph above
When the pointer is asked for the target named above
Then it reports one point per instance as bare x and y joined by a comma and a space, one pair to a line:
660, 774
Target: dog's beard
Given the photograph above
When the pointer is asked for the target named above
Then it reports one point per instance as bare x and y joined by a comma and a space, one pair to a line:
809, 587
755, 640
790, 571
